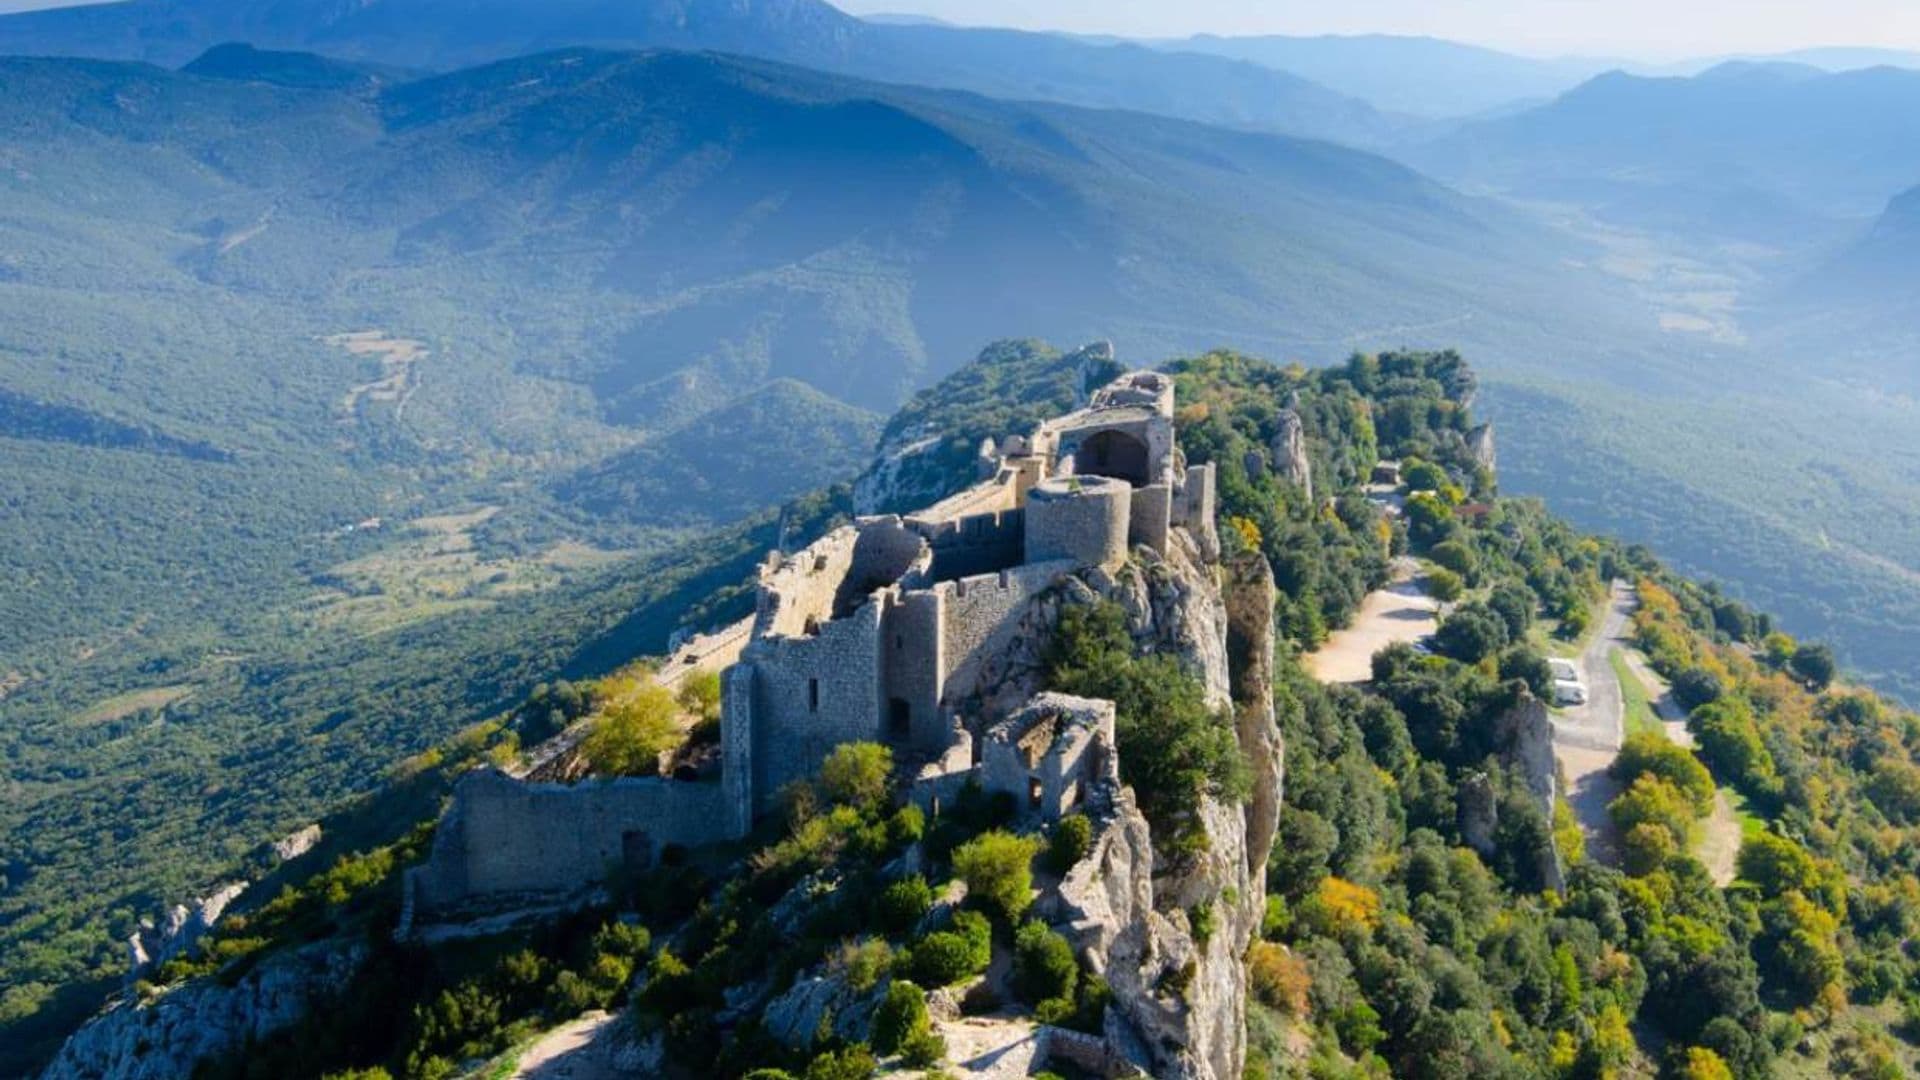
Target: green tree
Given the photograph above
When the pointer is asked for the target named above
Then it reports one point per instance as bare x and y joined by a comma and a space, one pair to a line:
1471, 634
857, 774
1444, 585
1813, 665
1457, 556
700, 695
1646, 753
632, 733
901, 1017
997, 867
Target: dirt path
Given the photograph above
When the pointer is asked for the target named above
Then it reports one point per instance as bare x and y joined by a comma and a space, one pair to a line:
1718, 844
582, 1049
1400, 612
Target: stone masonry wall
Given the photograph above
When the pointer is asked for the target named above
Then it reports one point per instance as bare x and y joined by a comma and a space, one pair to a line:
510, 837
810, 694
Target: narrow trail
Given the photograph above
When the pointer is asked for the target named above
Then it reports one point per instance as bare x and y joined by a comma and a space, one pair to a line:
1718, 844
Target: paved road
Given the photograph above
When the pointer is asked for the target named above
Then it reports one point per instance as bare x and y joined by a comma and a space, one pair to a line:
1586, 738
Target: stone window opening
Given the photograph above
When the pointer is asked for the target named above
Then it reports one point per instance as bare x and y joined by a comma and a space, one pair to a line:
899, 719
813, 695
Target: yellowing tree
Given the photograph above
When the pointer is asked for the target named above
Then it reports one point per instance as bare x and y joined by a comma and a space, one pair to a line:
632, 733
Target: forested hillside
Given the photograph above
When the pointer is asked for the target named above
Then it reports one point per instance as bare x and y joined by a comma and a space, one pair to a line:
439, 35
1400, 937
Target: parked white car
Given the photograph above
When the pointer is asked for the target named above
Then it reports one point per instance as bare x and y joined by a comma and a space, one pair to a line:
1569, 692
1563, 669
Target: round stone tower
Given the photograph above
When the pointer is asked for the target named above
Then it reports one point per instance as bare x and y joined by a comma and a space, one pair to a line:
1083, 518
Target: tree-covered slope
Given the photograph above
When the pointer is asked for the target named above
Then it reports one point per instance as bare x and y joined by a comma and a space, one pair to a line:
1414, 926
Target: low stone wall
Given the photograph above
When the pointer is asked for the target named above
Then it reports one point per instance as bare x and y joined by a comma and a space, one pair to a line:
506, 838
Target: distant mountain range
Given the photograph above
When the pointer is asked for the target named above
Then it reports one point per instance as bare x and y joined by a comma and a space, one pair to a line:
446, 34
1419, 76
1435, 78
1745, 151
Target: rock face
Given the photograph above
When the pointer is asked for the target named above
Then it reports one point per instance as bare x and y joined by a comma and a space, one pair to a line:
163, 1039
1179, 997
1289, 452
1525, 734
1480, 445
153, 945
296, 844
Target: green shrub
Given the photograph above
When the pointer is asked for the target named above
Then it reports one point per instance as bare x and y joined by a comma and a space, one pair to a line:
901, 1017
906, 826
862, 963
924, 1050
942, 959
979, 934
1071, 840
997, 867
903, 904
1043, 965
1204, 920
571, 994
852, 1063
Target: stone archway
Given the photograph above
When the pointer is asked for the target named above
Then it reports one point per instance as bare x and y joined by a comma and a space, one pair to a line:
1113, 453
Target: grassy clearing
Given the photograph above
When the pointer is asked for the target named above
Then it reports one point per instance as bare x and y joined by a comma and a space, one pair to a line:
1639, 704
124, 705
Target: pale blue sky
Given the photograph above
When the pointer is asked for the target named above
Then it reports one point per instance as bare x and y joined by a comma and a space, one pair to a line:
1641, 28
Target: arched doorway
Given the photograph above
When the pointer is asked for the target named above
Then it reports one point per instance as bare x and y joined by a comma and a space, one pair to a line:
1115, 454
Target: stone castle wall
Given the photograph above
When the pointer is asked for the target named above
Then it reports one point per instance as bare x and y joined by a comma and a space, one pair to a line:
510, 838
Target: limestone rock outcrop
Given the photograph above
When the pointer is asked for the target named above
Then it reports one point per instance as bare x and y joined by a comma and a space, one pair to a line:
1179, 996
1289, 452
165, 1037
1480, 444
178, 929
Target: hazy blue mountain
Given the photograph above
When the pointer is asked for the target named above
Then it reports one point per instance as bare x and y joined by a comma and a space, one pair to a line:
240, 62
1421, 76
1750, 151
444, 34
1858, 307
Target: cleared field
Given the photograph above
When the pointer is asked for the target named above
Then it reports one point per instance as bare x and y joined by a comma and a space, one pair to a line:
129, 704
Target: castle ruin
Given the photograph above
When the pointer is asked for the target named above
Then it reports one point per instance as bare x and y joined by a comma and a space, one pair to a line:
884, 631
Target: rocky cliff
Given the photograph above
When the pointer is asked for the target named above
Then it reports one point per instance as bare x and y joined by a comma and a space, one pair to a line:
168, 1035
1169, 934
